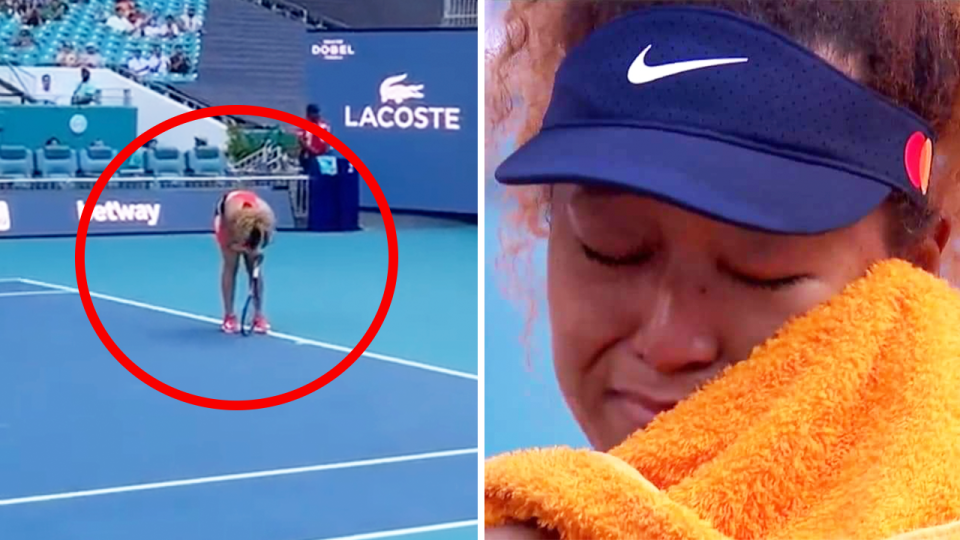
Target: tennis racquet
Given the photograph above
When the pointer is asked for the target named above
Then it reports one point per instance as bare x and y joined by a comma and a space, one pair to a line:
249, 307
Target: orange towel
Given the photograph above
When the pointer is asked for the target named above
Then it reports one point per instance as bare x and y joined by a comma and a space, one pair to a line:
843, 426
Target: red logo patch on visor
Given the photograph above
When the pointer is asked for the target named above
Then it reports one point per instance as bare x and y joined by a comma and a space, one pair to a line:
918, 159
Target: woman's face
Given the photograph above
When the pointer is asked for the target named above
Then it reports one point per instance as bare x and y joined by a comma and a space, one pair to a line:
648, 301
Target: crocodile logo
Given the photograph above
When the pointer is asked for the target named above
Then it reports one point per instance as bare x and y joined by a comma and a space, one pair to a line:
392, 90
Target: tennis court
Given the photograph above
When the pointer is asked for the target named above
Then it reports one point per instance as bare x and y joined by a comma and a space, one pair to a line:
389, 449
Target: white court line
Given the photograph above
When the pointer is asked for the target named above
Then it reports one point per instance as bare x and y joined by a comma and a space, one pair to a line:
10, 280
32, 293
235, 477
279, 335
411, 530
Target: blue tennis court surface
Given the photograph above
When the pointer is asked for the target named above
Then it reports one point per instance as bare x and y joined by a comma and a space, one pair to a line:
389, 449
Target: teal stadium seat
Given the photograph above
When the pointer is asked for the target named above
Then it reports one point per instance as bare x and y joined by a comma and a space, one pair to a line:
206, 161
165, 162
94, 160
57, 162
16, 162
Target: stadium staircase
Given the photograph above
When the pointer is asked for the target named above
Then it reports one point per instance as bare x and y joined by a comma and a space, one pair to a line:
250, 56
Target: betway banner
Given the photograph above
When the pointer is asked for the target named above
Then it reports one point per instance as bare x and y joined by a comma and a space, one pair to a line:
30, 213
405, 101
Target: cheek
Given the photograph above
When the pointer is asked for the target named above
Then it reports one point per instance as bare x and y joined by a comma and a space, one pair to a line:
751, 319
590, 312
566, 303
582, 325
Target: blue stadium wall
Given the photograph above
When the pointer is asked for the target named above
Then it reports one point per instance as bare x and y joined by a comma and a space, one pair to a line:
405, 101
41, 212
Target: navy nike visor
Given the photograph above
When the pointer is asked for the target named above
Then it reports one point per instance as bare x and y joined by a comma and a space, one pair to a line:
725, 117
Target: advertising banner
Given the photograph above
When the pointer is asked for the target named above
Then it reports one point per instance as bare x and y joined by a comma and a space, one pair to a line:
405, 101
29, 213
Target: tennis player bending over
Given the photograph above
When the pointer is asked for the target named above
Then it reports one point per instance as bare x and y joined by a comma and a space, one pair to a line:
244, 225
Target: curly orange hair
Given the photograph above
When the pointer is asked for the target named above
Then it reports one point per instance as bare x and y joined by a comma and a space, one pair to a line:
245, 219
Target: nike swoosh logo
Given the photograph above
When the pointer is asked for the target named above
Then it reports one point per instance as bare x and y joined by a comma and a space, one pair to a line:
641, 73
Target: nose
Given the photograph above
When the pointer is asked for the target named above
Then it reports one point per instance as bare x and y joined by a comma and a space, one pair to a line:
675, 334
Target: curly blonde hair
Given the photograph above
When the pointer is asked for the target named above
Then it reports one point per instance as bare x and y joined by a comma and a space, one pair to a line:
247, 218
908, 51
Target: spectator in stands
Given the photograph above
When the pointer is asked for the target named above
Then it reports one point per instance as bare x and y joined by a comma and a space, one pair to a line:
45, 93
190, 21
136, 160
139, 20
23, 40
312, 146
20, 9
91, 58
119, 22
157, 64
170, 27
153, 27
54, 10
32, 17
86, 93
138, 65
125, 7
178, 61
66, 56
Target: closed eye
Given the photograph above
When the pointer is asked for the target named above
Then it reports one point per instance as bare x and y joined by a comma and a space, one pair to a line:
641, 256
769, 284
626, 259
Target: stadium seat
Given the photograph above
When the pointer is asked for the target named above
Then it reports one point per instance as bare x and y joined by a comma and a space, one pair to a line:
16, 162
94, 160
83, 26
206, 161
165, 162
57, 162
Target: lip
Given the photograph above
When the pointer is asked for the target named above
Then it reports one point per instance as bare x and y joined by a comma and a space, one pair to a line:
639, 409
655, 405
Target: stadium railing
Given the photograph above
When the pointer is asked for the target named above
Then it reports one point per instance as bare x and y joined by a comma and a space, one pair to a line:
297, 12
117, 97
460, 13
